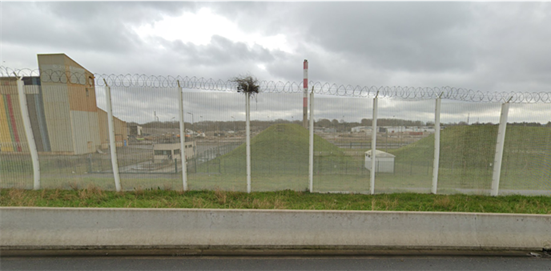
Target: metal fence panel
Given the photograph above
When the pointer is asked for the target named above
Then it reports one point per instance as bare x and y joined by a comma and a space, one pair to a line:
77, 159
468, 142
279, 148
15, 161
405, 140
219, 137
69, 123
526, 165
341, 138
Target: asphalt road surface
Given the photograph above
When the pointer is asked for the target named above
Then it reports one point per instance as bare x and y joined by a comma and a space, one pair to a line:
275, 263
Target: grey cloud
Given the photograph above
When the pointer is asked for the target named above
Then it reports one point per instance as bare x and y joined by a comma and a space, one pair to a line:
220, 59
121, 12
81, 26
263, 17
219, 50
397, 36
480, 46
514, 43
485, 46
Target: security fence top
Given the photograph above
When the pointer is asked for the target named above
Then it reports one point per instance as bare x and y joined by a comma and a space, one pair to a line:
323, 88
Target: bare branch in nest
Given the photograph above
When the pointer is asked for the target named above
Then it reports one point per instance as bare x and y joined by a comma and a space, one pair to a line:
246, 84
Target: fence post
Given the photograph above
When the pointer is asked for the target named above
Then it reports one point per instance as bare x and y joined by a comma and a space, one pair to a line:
28, 132
112, 145
311, 153
248, 143
373, 144
345, 167
499, 147
89, 163
305, 97
436, 145
182, 136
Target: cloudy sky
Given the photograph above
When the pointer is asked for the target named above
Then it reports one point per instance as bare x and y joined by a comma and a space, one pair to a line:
495, 47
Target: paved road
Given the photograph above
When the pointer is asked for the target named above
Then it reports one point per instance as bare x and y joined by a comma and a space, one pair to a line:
277, 263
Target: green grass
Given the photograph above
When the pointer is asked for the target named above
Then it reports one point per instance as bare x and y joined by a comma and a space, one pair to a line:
467, 154
474, 147
280, 161
95, 197
279, 148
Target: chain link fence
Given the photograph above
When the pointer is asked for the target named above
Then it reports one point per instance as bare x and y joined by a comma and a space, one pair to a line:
69, 123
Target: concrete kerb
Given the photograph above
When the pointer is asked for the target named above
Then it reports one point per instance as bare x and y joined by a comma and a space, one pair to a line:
270, 252
123, 231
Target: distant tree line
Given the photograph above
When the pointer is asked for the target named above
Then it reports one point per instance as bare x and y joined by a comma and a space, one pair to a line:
325, 123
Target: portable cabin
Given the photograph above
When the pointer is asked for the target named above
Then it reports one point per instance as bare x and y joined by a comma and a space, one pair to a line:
384, 161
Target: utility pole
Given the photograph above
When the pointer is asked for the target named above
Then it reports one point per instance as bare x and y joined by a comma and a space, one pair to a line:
192, 127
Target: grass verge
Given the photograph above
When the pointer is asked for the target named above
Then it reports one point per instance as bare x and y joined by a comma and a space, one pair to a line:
93, 196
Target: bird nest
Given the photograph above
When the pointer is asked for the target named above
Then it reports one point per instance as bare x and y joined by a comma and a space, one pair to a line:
247, 84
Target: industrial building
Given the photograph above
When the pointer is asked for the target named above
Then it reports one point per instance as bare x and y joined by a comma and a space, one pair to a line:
135, 129
171, 151
121, 130
62, 107
361, 129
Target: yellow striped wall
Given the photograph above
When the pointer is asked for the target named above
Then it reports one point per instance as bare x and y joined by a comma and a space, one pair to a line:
5, 136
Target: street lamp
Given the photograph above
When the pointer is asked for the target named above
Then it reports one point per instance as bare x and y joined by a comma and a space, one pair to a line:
233, 123
191, 118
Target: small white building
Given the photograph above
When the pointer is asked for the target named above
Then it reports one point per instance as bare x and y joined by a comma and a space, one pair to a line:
171, 151
384, 161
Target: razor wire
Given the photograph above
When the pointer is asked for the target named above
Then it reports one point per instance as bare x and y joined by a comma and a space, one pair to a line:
323, 88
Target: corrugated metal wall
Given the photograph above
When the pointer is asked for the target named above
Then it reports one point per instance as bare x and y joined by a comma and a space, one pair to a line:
58, 118
103, 132
36, 114
121, 133
86, 131
70, 106
64, 113
41, 119
11, 123
82, 98
6, 134
12, 117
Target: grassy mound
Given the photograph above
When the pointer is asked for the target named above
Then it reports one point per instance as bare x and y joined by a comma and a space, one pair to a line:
281, 148
474, 146
456, 141
284, 142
